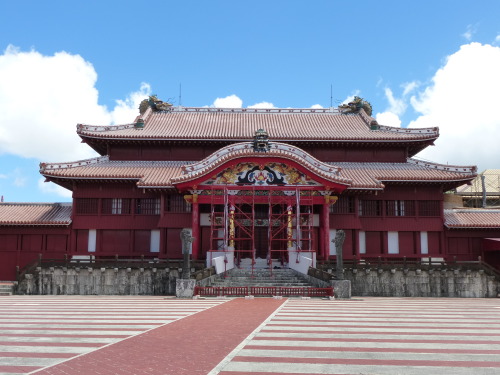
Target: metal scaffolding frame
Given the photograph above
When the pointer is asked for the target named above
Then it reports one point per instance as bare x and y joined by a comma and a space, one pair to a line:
483, 191
290, 222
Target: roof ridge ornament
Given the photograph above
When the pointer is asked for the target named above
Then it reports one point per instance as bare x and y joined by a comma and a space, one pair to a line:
155, 104
261, 141
356, 104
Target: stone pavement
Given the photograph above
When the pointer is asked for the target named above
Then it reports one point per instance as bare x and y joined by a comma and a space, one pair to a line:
154, 335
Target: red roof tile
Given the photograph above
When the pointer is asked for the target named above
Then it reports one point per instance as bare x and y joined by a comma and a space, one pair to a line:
148, 173
472, 218
241, 124
35, 214
373, 175
161, 173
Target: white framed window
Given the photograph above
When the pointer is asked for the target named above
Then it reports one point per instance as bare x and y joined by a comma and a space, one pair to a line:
362, 242
155, 241
393, 242
92, 240
424, 243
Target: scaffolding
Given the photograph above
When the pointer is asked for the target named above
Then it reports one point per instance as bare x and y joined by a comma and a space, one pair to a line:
483, 191
289, 220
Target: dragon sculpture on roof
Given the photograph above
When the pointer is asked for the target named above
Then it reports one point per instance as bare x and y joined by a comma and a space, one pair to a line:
356, 104
155, 103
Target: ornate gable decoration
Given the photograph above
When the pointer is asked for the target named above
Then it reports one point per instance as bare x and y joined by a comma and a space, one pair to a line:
261, 141
277, 174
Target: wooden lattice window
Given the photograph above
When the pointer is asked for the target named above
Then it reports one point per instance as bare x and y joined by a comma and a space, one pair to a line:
370, 208
87, 206
429, 208
147, 206
176, 203
115, 206
400, 208
344, 205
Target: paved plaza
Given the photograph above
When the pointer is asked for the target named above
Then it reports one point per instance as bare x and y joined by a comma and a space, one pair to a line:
157, 335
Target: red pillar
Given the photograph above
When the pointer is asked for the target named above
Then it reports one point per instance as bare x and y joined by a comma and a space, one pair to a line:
326, 228
195, 227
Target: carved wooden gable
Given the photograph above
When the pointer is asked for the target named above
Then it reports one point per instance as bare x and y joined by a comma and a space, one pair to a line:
269, 174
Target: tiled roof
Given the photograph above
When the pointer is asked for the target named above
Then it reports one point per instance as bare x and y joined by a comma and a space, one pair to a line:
373, 175
241, 124
161, 173
148, 173
472, 218
35, 213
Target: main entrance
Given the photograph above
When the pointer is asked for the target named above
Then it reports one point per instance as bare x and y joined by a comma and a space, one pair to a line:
265, 224
261, 242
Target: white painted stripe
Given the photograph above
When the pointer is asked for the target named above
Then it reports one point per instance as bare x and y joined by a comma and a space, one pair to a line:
387, 328
312, 368
366, 355
26, 361
422, 336
114, 326
378, 344
48, 332
45, 349
78, 340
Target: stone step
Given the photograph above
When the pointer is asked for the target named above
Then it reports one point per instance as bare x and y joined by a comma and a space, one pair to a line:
262, 278
257, 276
267, 274
298, 285
6, 288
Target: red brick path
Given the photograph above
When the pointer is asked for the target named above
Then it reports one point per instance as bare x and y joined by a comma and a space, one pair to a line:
193, 345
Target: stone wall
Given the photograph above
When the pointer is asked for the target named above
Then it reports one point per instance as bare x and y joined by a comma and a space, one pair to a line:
162, 281
422, 283
100, 281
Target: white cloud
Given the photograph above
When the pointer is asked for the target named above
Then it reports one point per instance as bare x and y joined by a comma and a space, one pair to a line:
463, 101
397, 107
262, 105
231, 101
351, 97
316, 106
469, 33
409, 87
497, 39
42, 98
127, 110
51, 188
388, 118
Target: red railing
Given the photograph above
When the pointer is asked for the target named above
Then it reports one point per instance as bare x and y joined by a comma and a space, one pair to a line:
218, 291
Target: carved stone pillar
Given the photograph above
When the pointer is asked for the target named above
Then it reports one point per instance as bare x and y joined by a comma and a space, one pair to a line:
195, 226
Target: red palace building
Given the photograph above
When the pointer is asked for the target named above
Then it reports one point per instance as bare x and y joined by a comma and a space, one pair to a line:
251, 183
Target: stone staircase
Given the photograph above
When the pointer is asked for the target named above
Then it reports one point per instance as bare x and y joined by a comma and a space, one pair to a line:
6, 288
262, 277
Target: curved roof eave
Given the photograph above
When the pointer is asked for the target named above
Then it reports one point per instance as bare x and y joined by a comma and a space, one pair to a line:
277, 150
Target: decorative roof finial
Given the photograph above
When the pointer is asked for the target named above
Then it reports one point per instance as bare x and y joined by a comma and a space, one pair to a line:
356, 104
155, 103
261, 141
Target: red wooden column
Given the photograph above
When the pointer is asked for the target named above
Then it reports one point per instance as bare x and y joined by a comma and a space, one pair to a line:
326, 227
195, 227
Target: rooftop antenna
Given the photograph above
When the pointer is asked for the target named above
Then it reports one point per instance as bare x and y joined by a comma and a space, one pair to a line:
331, 95
180, 94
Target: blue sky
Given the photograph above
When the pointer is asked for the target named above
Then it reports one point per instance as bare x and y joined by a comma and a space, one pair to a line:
425, 63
